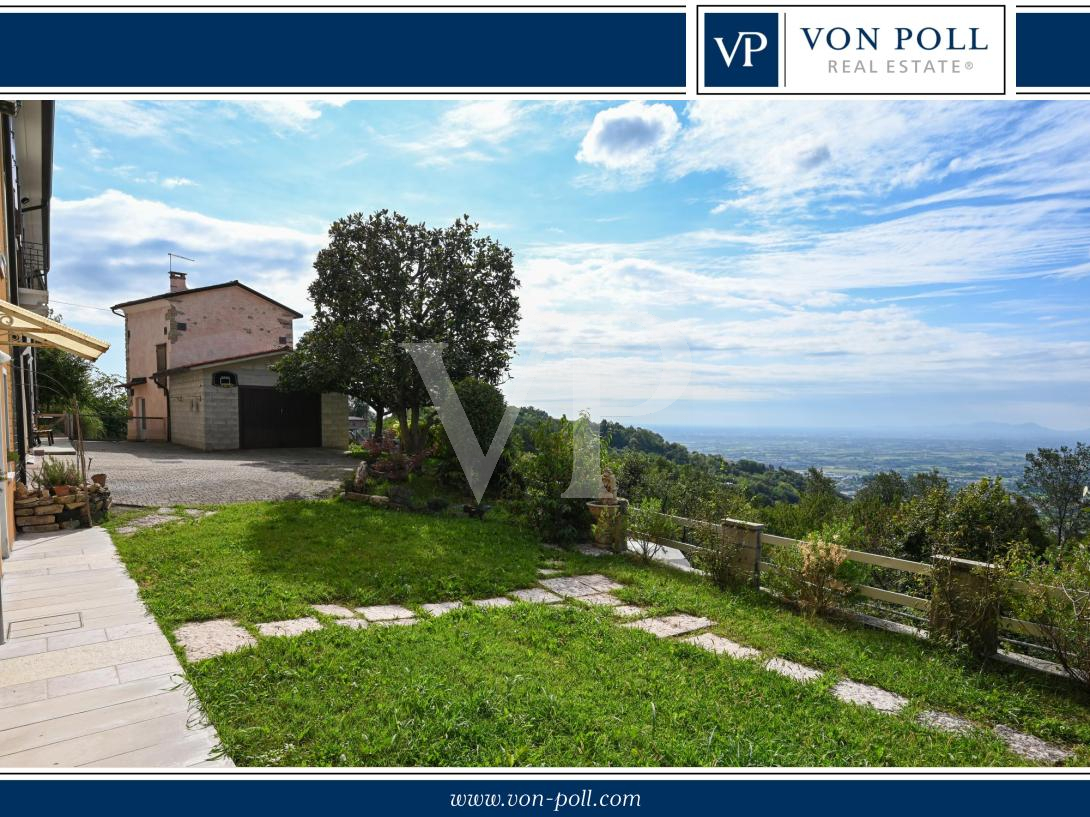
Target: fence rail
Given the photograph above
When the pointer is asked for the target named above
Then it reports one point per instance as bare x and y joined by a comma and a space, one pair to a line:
758, 547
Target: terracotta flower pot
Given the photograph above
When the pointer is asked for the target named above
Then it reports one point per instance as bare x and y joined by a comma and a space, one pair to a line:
98, 479
62, 490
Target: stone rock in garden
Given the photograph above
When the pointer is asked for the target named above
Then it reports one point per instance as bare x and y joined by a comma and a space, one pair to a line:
45, 508
629, 610
719, 645
352, 623
601, 600
334, 610
294, 626
668, 626
396, 622
359, 482
855, 693
599, 583
536, 595
24, 511
29, 502
568, 586
379, 501
548, 571
441, 607
789, 669
207, 639
497, 601
71, 524
944, 722
38, 519
384, 612
1031, 748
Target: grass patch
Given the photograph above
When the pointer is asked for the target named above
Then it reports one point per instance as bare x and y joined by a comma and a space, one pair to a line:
533, 685
267, 561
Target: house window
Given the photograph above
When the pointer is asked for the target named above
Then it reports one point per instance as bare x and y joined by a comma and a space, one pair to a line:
225, 380
181, 327
161, 357
283, 340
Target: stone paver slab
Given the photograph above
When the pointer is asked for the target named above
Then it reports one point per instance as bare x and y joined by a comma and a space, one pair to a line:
207, 639
496, 601
352, 623
792, 670
548, 571
944, 722
719, 645
19, 694
384, 612
149, 668
568, 586
601, 600
854, 692
536, 595
1030, 747
396, 622
592, 550
629, 610
78, 659
289, 627
599, 583
668, 626
335, 610
82, 681
441, 608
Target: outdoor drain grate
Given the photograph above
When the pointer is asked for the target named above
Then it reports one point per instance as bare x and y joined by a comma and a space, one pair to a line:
44, 626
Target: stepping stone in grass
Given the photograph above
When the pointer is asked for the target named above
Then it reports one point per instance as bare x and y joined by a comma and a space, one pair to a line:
396, 622
601, 600
600, 583
1031, 748
536, 595
498, 601
592, 550
668, 626
352, 623
864, 695
629, 610
719, 645
789, 669
441, 608
944, 722
334, 610
207, 639
294, 626
384, 612
547, 571
569, 586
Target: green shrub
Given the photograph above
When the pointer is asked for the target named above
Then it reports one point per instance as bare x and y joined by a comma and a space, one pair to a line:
545, 473
648, 527
816, 575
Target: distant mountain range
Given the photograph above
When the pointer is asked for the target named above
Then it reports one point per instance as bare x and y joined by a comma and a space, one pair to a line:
1009, 431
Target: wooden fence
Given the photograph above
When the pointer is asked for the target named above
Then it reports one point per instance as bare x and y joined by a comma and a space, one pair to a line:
757, 549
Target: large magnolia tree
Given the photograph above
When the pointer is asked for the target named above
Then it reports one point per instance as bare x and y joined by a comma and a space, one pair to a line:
382, 282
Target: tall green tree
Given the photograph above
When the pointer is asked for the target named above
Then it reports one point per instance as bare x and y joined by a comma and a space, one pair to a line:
384, 281
1055, 480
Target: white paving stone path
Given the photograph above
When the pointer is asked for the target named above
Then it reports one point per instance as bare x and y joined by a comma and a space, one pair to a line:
86, 676
595, 590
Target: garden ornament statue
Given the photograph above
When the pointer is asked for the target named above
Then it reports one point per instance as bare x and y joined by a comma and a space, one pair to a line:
609, 512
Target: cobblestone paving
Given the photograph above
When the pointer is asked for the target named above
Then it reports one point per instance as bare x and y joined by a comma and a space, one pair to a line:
160, 474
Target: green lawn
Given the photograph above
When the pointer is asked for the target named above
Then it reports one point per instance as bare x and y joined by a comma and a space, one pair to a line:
534, 685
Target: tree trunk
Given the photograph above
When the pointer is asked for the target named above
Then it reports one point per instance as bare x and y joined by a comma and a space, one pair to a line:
417, 442
403, 423
380, 412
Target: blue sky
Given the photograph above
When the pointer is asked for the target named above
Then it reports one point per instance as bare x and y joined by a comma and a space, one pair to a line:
736, 263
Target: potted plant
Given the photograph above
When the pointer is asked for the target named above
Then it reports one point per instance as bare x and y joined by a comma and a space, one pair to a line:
56, 477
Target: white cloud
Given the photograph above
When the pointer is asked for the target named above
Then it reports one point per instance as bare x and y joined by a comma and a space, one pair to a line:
630, 137
177, 181
286, 115
466, 131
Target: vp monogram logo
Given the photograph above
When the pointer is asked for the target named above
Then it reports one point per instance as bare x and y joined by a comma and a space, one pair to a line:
741, 49
754, 42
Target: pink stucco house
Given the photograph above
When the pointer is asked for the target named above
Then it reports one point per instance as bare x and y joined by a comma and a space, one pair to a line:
197, 364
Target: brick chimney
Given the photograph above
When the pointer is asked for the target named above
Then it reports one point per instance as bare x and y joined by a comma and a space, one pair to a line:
177, 281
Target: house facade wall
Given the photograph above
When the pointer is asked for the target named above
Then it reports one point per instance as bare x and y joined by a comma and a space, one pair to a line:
334, 420
194, 327
187, 409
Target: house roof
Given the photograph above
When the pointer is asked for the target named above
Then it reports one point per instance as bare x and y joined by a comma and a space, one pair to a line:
183, 292
231, 359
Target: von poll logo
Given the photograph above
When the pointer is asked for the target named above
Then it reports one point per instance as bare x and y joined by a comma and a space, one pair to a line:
741, 50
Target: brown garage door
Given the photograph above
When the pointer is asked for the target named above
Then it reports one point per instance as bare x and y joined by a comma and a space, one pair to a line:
270, 418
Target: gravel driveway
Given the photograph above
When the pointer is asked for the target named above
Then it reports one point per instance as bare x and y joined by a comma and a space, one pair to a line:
157, 474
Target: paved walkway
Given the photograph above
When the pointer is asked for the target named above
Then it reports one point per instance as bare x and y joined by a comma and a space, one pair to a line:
86, 676
154, 474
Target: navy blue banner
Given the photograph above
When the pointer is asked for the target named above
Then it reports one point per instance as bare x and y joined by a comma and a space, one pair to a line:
347, 51
1051, 49
647, 798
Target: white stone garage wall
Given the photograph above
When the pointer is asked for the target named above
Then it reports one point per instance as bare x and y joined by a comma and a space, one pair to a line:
220, 415
334, 420
187, 409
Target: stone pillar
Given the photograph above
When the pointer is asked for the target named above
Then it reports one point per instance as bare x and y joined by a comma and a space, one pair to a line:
745, 538
965, 604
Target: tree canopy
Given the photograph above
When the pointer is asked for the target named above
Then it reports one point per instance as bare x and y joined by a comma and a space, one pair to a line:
382, 282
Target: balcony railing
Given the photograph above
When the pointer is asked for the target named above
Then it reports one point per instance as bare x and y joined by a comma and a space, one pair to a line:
32, 273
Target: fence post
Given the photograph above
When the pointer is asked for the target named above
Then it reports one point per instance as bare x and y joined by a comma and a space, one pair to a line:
746, 538
965, 604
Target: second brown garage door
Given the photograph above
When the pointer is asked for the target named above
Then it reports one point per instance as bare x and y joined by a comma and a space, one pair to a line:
270, 418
